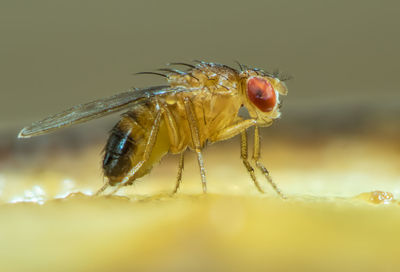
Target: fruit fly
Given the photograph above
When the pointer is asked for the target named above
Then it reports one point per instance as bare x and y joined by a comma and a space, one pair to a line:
199, 105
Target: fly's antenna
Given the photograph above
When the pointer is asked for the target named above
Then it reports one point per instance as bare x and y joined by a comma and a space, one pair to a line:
151, 73
182, 63
178, 72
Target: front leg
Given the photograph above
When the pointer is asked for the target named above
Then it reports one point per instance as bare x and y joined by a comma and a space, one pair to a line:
244, 156
240, 128
263, 169
232, 130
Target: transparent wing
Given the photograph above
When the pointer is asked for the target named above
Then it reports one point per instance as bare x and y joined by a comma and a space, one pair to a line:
94, 109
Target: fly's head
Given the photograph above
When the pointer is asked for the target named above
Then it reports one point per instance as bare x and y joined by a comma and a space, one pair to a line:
262, 95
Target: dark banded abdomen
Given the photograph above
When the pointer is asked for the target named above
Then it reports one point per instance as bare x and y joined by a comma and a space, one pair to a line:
118, 150
126, 145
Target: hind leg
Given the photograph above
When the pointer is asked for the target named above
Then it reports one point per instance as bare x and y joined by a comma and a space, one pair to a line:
146, 154
102, 188
173, 134
129, 177
179, 176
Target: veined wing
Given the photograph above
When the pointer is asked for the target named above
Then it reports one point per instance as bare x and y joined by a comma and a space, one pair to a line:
95, 109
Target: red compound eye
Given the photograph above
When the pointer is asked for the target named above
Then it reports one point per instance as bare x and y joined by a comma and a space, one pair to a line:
261, 94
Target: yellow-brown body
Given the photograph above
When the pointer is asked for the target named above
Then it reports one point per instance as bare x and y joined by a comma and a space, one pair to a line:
213, 105
216, 107
199, 105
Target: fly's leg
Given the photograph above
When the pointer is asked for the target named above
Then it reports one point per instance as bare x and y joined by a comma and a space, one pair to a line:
102, 189
172, 127
147, 152
179, 176
244, 156
263, 169
196, 140
174, 140
233, 130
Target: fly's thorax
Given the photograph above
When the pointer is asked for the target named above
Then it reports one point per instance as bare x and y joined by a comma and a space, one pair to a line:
261, 95
211, 78
212, 111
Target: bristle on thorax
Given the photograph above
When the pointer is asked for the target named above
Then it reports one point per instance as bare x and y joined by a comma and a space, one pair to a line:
210, 76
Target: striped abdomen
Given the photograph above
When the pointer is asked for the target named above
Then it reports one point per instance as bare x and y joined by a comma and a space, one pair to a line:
126, 145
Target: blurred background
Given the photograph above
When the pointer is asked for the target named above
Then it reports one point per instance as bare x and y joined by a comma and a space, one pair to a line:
338, 136
343, 54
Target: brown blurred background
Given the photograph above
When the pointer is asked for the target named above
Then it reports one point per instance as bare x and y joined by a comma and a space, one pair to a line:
344, 55
344, 98
338, 138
